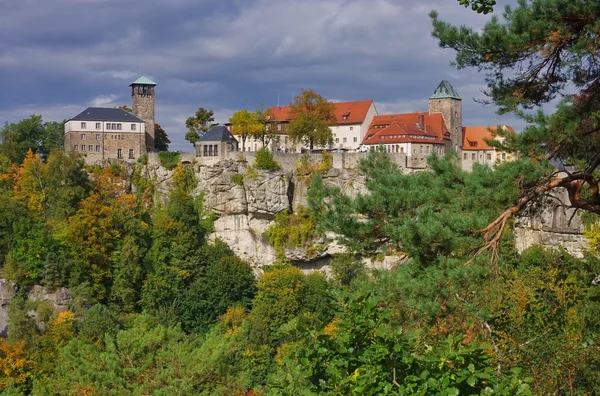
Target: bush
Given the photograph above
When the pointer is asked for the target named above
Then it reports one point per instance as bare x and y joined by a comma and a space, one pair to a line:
168, 159
291, 230
237, 179
345, 268
264, 160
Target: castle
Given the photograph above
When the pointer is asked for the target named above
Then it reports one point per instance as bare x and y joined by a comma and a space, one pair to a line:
104, 134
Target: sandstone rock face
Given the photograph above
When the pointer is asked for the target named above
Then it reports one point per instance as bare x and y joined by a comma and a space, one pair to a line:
59, 299
7, 291
244, 210
551, 225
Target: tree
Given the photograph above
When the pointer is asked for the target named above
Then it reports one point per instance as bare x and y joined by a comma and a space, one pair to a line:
198, 124
268, 129
480, 6
244, 124
311, 117
126, 108
542, 49
161, 140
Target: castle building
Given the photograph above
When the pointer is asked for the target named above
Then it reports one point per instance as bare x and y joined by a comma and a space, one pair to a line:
446, 101
476, 150
352, 122
102, 134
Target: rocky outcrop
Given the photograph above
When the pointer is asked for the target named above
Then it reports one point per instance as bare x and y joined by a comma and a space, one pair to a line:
551, 224
58, 299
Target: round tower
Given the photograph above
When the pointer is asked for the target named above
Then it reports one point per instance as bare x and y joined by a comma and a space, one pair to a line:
142, 100
445, 100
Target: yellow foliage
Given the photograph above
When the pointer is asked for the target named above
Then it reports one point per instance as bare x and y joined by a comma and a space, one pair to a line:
332, 328
29, 184
283, 352
15, 366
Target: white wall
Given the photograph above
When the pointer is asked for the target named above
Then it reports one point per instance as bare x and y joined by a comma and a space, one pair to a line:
93, 127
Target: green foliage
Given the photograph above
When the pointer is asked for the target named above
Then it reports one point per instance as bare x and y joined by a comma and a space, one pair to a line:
431, 224
161, 140
291, 230
198, 124
480, 6
169, 159
237, 179
264, 160
345, 268
98, 322
30, 134
306, 167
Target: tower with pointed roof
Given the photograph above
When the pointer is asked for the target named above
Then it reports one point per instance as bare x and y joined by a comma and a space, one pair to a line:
447, 101
142, 100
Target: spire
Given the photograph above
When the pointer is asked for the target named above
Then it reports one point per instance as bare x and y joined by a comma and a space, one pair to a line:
444, 91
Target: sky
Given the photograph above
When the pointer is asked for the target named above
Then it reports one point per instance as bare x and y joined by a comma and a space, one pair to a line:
58, 57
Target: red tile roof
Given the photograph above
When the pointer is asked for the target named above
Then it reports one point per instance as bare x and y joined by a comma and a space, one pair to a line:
433, 123
397, 132
473, 136
345, 112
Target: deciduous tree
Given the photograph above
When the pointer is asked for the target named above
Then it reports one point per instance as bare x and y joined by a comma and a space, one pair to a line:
245, 124
198, 124
311, 117
161, 140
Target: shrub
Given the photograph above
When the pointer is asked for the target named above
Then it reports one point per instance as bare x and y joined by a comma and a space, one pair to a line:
345, 268
237, 179
168, 159
264, 160
291, 230
143, 159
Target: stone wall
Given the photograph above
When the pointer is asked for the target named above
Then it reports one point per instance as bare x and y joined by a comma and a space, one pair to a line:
105, 145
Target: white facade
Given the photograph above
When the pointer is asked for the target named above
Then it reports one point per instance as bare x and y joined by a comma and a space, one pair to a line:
350, 136
104, 126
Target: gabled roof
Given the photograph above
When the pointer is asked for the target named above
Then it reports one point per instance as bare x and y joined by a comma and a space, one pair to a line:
431, 123
218, 133
345, 112
473, 136
143, 80
397, 132
105, 114
444, 91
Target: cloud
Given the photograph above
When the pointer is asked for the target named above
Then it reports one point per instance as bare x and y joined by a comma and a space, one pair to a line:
225, 55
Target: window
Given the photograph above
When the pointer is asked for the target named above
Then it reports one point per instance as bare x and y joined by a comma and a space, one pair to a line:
473, 144
107, 126
473, 156
401, 149
351, 128
210, 150
217, 152
345, 117
427, 149
119, 153
345, 140
355, 139
489, 156
83, 136
97, 136
83, 125
76, 147
337, 140
83, 147
465, 156
118, 127
205, 150
420, 149
279, 127
97, 148
98, 125
503, 156
131, 154
90, 148
133, 127
113, 126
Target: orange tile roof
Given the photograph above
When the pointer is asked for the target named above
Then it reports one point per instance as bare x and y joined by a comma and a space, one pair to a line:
397, 132
473, 136
434, 123
354, 112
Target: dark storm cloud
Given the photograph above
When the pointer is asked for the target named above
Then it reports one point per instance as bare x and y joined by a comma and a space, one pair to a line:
59, 56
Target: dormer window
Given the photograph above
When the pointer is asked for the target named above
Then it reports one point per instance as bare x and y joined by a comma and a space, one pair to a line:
345, 117
473, 144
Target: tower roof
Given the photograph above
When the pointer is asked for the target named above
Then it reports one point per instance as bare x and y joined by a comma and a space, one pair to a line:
444, 91
143, 80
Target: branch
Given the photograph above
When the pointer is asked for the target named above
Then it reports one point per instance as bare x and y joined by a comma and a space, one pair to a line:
573, 184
